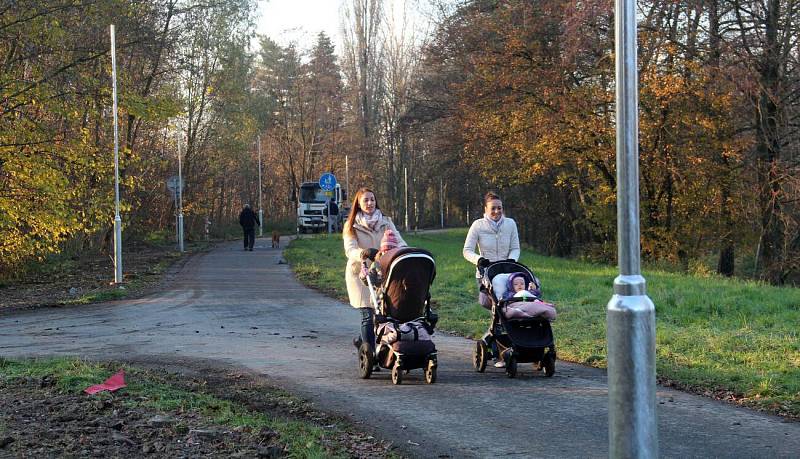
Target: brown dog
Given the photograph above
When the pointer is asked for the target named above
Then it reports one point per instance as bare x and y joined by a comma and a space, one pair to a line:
276, 239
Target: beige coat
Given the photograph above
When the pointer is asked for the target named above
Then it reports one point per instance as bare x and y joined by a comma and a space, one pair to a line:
364, 238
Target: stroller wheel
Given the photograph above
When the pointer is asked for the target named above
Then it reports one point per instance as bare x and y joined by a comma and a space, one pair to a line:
549, 365
365, 361
479, 356
430, 372
511, 366
397, 374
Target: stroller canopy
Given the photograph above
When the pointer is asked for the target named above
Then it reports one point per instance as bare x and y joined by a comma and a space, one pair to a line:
408, 275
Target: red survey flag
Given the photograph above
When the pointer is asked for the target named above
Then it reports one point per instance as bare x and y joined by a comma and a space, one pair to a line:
116, 381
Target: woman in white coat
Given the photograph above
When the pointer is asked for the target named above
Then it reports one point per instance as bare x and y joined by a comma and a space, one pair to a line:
362, 233
496, 237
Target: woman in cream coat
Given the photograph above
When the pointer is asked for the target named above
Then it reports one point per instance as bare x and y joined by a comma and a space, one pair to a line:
362, 235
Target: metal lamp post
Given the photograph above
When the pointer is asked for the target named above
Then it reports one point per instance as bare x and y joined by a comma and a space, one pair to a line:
117, 219
260, 209
630, 314
180, 194
405, 180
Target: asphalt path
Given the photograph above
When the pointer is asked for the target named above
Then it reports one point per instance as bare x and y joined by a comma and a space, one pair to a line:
246, 309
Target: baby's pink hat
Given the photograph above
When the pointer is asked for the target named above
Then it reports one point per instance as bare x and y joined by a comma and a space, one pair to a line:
389, 241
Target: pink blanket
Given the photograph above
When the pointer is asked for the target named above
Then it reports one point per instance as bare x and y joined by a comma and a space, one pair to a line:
529, 309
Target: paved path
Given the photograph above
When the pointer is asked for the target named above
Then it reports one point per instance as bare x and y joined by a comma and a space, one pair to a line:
245, 309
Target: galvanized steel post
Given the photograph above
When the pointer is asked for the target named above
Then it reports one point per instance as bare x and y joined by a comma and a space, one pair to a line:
180, 193
117, 219
630, 313
260, 209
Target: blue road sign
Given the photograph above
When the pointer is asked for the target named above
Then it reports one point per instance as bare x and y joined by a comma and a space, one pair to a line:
327, 182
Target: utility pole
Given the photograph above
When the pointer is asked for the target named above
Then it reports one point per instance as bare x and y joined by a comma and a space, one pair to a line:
260, 209
117, 219
630, 314
405, 179
347, 176
441, 202
180, 193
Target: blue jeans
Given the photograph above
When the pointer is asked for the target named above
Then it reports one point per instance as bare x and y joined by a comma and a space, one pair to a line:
368, 326
483, 300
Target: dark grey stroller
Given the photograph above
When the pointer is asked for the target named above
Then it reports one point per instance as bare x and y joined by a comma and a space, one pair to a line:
514, 340
404, 320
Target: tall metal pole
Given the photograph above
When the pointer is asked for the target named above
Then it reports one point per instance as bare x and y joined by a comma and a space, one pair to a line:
260, 209
630, 314
405, 179
347, 176
441, 202
117, 219
328, 213
180, 193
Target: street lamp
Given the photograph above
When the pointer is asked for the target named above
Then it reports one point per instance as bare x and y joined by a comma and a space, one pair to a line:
117, 219
260, 209
180, 193
630, 314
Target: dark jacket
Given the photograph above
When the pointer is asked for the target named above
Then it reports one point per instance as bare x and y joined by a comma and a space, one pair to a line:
248, 219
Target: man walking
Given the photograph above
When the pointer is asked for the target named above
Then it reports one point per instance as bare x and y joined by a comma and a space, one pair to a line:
249, 220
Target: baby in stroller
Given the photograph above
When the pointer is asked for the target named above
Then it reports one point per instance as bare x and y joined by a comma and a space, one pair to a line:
399, 283
525, 303
520, 329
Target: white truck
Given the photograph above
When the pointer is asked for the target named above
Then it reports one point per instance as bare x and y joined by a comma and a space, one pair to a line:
312, 211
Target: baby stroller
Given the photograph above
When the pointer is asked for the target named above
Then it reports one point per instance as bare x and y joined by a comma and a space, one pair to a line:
517, 340
404, 321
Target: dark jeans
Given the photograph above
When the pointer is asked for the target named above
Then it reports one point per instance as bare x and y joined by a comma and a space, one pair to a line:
486, 302
368, 326
249, 237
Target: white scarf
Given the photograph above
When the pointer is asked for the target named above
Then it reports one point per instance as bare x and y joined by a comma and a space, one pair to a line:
369, 221
495, 224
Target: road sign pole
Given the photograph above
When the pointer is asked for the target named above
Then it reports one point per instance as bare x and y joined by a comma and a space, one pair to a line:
630, 314
260, 209
328, 211
117, 219
327, 182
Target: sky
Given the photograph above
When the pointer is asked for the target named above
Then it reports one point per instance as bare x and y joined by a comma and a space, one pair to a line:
299, 21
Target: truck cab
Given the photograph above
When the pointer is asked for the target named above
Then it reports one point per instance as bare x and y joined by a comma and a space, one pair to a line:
313, 209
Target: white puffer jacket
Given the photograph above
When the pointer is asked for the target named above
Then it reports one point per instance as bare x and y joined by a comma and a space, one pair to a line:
492, 245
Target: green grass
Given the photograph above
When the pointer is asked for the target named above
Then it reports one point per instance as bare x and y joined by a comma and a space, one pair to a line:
713, 333
304, 439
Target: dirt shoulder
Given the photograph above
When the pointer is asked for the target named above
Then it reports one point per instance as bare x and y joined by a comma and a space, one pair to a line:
39, 417
89, 278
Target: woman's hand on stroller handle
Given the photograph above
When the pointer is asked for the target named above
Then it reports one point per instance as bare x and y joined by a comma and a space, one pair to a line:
369, 254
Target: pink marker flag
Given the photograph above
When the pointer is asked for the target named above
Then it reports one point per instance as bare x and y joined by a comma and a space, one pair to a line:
116, 381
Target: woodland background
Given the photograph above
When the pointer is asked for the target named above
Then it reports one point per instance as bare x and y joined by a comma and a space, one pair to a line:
512, 95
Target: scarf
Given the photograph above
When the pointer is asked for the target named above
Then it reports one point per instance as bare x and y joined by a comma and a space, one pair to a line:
369, 221
494, 224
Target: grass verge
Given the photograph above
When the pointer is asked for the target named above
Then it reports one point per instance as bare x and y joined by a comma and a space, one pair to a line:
294, 428
726, 338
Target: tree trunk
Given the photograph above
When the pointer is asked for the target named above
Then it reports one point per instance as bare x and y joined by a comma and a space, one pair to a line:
768, 151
